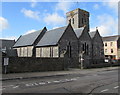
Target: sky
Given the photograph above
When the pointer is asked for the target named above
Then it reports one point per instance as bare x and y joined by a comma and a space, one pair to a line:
20, 18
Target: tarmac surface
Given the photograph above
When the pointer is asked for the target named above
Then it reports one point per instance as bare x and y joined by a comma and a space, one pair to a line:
27, 75
99, 80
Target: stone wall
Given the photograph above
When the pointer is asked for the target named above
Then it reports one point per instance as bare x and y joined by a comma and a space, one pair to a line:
32, 64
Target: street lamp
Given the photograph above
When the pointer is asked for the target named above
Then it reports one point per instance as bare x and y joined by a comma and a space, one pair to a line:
81, 58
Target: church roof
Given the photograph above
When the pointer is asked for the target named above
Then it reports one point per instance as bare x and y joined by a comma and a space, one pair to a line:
79, 31
92, 34
28, 39
111, 38
52, 37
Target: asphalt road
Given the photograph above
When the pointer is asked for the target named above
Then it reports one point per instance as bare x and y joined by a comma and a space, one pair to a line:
95, 82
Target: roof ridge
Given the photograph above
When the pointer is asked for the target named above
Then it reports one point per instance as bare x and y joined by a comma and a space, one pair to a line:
112, 36
32, 32
57, 28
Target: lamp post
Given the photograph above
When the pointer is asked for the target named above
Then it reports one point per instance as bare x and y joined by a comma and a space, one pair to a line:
81, 59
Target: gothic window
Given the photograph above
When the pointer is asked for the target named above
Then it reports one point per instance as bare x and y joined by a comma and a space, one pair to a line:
82, 20
70, 21
87, 49
83, 47
69, 49
73, 21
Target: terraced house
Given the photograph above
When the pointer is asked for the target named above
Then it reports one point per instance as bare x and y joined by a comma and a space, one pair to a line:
112, 47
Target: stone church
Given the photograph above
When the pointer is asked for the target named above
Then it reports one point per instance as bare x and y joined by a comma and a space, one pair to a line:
67, 42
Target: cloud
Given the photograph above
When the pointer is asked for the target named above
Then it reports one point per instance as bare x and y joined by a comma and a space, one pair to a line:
113, 4
64, 6
107, 25
10, 38
31, 14
30, 31
54, 19
96, 6
3, 23
34, 3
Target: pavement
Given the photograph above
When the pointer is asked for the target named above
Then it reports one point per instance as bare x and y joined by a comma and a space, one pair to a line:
27, 75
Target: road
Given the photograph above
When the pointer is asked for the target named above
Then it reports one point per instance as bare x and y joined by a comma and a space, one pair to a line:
95, 82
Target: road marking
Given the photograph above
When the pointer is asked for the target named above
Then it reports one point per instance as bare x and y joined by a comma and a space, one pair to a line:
27, 84
73, 79
42, 83
56, 81
104, 90
67, 80
30, 84
15, 86
116, 87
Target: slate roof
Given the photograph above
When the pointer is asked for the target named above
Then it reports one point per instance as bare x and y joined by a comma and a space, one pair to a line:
6, 43
92, 34
111, 38
28, 39
52, 37
79, 31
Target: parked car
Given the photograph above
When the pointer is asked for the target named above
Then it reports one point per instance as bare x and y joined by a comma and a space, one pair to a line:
106, 60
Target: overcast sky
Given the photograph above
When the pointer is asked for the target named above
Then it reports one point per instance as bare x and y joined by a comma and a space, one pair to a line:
19, 18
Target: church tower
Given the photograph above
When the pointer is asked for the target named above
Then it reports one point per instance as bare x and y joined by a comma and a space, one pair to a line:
78, 18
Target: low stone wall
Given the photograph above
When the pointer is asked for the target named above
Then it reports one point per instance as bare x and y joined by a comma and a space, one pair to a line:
20, 64
103, 65
32, 64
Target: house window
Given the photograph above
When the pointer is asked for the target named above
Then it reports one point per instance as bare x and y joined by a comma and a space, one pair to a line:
111, 44
105, 44
73, 21
111, 50
105, 50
